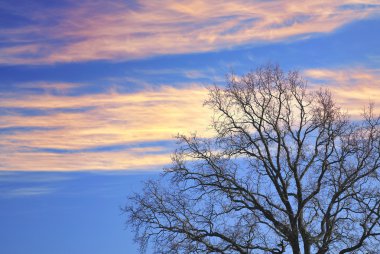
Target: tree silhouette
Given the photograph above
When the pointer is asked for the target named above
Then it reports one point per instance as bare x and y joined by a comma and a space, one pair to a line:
287, 172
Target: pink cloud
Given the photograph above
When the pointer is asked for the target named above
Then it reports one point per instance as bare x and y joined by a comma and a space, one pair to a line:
353, 88
150, 115
89, 30
111, 119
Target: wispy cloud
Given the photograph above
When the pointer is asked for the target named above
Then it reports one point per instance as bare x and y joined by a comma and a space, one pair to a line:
114, 131
353, 88
66, 140
49, 87
119, 30
33, 177
25, 192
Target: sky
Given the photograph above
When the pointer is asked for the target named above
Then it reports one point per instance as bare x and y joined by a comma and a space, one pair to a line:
93, 93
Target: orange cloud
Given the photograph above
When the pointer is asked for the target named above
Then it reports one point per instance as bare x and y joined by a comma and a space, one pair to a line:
122, 160
107, 120
33, 142
352, 88
89, 30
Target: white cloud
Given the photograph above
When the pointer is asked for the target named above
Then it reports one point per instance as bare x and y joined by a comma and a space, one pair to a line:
25, 192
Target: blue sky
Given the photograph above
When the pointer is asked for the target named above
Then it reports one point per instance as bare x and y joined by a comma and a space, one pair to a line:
93, 92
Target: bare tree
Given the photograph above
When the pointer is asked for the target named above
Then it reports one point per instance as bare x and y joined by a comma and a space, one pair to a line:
287, 172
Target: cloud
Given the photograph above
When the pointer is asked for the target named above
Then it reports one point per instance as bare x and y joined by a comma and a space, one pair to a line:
64, 140
132, 131
122, 160
120, 30
63, 87
353, 88
25, 192
32, 177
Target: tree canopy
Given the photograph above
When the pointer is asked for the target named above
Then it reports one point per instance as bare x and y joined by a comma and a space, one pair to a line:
286, 172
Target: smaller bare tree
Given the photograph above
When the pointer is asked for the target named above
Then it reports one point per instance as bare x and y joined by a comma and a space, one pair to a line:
287, 172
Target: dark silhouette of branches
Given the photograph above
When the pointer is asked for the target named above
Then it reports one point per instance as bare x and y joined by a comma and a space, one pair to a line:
287, 172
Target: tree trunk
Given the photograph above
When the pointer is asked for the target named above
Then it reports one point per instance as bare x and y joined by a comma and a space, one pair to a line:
296, 249
295, 246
